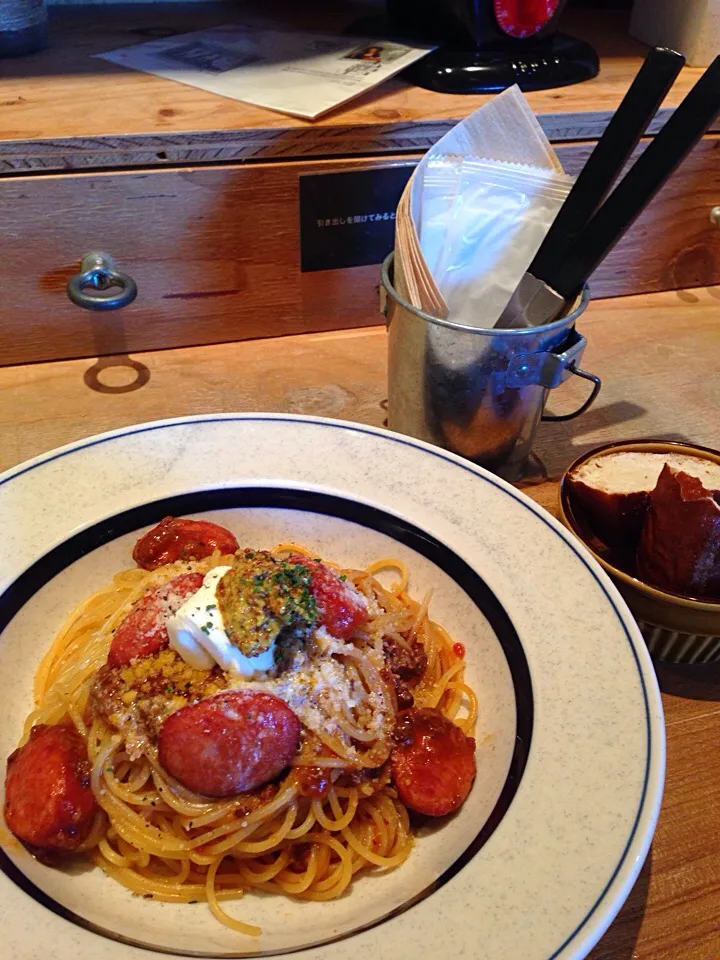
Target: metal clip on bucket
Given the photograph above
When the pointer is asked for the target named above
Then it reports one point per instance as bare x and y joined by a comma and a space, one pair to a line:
477, 392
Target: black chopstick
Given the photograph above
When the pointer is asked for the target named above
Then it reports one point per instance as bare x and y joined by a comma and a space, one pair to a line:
613, 150
669, 148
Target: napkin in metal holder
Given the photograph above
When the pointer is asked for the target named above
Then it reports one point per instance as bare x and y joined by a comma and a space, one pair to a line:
478, 392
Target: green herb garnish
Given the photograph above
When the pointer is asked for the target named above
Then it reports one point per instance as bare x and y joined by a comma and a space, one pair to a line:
260, 596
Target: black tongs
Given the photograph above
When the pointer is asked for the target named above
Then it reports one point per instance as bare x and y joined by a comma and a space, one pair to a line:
586, 228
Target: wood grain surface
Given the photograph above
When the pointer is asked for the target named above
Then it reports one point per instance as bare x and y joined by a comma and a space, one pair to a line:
216, 254
657, 355
50, 121
673, 244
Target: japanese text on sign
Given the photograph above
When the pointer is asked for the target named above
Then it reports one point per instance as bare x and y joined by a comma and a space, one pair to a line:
363, 218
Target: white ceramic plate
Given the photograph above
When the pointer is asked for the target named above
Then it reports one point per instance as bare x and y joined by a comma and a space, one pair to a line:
570, 739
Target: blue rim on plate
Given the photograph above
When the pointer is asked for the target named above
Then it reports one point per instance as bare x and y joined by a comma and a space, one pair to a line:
510, 508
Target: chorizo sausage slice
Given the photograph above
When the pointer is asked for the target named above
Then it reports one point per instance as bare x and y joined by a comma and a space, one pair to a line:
341, 606
175, 538
143, 632
230, 743
433, 762
49, 803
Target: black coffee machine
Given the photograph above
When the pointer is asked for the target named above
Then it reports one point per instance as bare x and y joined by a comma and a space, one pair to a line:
488, 45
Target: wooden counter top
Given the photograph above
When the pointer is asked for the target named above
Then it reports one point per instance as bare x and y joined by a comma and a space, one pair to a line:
61, 109
657, 355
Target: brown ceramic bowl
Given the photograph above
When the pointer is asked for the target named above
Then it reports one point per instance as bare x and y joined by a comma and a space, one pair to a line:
676, 628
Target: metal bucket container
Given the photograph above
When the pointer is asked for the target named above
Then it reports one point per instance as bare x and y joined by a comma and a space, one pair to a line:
478, 392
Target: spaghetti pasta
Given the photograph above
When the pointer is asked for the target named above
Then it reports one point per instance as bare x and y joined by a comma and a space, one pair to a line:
334, 813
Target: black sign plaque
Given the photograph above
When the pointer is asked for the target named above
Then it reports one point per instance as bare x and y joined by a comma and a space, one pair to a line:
347, 219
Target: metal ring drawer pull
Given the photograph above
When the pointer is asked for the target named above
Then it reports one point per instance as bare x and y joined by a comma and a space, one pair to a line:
97, 275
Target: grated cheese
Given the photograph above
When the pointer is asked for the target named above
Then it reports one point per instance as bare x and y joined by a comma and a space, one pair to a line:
319, 688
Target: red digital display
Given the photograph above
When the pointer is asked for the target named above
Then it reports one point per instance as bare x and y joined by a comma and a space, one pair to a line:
523, 18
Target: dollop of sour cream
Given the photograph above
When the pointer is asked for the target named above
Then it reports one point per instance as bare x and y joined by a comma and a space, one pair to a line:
197, 633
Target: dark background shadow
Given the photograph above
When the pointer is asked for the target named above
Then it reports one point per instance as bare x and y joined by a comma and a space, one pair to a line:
607, 31
695, 681
101, 27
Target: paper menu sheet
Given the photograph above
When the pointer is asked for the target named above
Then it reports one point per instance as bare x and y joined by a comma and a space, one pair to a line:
302, 74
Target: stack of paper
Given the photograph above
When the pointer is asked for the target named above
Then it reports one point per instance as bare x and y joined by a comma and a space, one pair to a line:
304, 74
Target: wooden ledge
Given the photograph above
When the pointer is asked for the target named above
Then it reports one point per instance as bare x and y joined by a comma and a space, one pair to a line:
49, 121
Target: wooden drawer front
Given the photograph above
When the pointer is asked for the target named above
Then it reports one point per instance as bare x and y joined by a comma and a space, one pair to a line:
215, 254
673, 244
